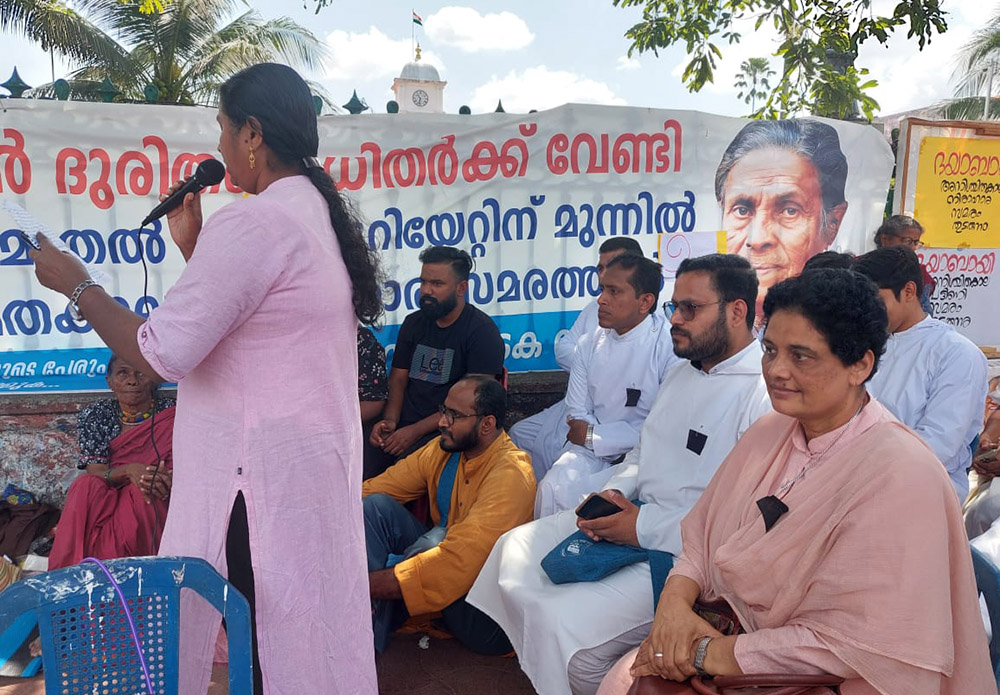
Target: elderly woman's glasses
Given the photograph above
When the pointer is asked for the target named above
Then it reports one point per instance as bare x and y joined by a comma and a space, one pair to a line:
451, 415
909, 241
687, 309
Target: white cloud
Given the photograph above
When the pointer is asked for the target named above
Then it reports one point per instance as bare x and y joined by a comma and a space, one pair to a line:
370, 55
540, 88
469, 31
626, 63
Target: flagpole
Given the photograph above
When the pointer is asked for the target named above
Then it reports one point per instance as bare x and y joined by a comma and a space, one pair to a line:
413, 39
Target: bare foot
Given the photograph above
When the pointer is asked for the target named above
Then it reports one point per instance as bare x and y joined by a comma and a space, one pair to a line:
35, 648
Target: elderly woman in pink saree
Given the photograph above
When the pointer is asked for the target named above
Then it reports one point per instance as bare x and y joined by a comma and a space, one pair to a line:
118, 507
831, 529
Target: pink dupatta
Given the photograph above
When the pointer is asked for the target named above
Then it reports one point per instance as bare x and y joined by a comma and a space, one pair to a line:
872, 556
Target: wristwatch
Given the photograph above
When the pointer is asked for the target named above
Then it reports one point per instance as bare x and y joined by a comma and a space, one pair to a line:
74, 300
700, 652
588, 441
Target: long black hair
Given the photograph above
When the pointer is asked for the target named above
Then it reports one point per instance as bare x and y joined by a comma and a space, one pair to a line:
280, 101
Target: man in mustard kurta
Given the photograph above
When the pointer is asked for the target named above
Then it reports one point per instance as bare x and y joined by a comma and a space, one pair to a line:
480, 486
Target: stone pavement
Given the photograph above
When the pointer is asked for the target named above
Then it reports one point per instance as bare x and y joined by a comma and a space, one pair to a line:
444, 668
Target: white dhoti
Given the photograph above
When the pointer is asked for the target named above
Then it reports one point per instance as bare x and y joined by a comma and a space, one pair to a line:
575, 474
548, 623
543, 435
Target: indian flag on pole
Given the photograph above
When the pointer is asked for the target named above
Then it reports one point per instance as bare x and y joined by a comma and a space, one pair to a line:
417, 19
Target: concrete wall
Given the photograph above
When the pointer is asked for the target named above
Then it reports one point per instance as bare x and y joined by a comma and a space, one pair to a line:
38, 440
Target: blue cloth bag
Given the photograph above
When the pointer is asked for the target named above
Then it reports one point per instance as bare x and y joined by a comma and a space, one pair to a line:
580, 559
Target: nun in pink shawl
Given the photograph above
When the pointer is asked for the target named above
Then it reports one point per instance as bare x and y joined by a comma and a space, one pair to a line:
260, 334
863, 570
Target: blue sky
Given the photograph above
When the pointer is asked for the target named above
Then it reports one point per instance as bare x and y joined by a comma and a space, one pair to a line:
542, 53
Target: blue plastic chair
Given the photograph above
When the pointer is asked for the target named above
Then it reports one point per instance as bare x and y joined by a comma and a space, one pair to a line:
988, 583
87, 643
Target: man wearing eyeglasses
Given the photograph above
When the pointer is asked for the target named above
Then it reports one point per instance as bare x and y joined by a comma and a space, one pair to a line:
704, 405
903, 230
480, 486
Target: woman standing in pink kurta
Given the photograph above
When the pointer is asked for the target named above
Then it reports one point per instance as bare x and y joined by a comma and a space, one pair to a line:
260, 334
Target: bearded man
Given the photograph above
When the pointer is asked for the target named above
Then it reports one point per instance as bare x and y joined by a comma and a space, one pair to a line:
567, 636
480, 485
437, 345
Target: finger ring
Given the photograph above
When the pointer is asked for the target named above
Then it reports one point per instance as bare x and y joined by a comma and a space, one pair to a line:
658, 655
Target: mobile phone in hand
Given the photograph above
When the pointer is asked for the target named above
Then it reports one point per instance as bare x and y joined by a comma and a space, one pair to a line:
989, 456
596, 507
29, 241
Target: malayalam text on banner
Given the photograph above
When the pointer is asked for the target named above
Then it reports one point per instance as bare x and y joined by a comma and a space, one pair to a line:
530, 196
957, 196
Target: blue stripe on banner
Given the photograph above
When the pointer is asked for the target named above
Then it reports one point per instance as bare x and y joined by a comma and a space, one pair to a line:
528, 341
45, 371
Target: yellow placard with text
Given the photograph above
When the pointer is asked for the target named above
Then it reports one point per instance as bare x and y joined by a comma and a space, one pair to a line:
958, 192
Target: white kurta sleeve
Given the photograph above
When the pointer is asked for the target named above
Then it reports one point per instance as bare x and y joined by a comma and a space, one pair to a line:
565, 345
579, 405
626, 477
615, 438
953, 404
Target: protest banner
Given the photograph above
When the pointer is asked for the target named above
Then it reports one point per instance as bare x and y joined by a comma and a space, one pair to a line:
531, 197
948, 178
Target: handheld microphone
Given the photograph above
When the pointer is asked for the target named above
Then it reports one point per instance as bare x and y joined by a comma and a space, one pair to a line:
208, 173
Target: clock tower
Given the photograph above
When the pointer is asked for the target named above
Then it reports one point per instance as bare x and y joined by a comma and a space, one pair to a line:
419, 88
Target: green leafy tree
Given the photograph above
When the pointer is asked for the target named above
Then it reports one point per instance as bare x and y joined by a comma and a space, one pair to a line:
817, 34
752, 80
185, 48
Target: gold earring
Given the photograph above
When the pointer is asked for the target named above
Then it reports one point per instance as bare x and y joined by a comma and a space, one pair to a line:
253, 159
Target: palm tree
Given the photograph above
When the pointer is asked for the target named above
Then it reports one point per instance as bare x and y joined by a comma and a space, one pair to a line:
977, 63
752, 80
185, 50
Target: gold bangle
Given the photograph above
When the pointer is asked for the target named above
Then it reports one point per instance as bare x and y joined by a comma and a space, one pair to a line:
107, 476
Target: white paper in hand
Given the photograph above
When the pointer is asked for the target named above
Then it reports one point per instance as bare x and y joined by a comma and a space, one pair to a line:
31, 226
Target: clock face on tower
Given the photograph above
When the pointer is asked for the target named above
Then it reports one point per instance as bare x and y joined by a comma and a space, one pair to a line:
420, 98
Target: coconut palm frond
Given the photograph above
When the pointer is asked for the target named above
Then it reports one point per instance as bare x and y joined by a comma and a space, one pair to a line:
185, 50
294, 44
57, 27
968, 109
248, 40
972, 61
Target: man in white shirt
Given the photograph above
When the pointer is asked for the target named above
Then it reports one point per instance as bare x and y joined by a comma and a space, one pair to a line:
543, 434
932, 378
616, 373
568, 636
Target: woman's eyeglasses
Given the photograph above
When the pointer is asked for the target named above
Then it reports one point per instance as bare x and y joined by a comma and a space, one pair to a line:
451, 415
687, 309
909, 241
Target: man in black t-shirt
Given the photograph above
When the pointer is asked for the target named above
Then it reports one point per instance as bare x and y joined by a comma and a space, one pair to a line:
437, 345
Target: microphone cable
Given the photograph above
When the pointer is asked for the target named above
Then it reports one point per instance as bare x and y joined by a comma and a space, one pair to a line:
154, 543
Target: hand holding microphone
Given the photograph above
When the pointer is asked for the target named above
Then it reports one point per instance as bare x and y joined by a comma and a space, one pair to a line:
182, 205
